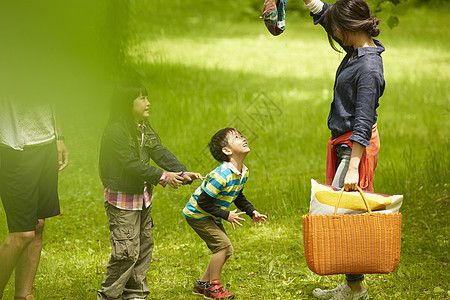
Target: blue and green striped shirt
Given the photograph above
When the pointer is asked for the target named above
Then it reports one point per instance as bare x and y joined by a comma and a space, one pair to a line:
223, 184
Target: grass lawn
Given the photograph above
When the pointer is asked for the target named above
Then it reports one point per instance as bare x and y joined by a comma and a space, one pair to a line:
208, 65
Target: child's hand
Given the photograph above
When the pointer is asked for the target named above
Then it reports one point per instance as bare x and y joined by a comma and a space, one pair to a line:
189, 176
175, 180
234, 218
257, 218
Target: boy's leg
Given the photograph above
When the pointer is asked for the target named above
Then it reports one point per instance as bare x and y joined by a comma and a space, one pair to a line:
215, 265
217, 241
137, 286
124, 226
28, 263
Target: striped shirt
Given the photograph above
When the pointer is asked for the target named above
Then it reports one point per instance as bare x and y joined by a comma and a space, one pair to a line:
127, 201
223, 184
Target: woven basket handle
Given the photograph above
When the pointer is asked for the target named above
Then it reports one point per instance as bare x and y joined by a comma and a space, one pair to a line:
362, 195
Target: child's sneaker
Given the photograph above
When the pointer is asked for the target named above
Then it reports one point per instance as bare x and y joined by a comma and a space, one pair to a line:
341, 292
199, 287
216, 291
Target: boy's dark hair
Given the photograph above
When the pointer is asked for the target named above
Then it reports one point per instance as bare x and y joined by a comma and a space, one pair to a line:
218, 141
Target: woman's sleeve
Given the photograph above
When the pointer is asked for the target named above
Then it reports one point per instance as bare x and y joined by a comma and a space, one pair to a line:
370, 87
319, 17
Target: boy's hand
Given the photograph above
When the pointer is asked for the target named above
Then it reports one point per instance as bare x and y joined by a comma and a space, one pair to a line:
175, 180
257, 218
189, 176
234, 218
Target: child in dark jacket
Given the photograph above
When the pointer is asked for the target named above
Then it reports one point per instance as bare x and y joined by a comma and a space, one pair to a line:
128, 145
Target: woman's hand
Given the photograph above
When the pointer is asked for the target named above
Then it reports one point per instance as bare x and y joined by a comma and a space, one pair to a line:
352, 177
234, 218
189, 176
257, 218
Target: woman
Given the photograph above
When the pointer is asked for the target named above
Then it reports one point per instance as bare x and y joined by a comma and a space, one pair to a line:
354, 144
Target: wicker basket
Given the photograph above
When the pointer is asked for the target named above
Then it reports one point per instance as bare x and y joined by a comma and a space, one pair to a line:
352, 244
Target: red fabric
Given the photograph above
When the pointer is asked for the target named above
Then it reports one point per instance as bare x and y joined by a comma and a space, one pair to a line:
368, 162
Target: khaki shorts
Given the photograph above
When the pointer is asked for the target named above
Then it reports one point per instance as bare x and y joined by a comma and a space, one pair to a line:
213, 234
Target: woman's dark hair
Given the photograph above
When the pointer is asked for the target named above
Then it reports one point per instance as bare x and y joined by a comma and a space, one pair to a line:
125, 93
218, 141
350, 15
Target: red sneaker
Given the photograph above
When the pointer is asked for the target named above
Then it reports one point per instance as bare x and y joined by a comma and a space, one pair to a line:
200, 287
216, 291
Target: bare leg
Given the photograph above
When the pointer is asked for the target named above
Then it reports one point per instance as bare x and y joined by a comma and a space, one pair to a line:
28, 263
215, 265
10, 252
356, 286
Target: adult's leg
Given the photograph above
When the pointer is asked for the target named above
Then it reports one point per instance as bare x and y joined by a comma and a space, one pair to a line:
28, 263
137, 285
342, 162
10, 252
28, 187
354, 281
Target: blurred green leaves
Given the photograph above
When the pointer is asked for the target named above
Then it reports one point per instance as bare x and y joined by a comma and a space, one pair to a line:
59, 51
393, 21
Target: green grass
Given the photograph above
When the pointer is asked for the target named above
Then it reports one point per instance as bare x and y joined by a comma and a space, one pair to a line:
206, 64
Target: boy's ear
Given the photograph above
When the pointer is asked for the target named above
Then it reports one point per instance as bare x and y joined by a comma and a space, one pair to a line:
226, 151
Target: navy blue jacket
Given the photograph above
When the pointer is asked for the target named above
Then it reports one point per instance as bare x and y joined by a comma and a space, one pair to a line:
359, 83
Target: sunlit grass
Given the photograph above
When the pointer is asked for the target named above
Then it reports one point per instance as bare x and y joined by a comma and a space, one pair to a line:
206, 71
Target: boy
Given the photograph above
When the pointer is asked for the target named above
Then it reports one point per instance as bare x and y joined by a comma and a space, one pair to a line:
207, 207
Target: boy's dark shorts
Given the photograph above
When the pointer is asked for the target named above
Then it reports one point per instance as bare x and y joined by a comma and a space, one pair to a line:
29, 185
213, 234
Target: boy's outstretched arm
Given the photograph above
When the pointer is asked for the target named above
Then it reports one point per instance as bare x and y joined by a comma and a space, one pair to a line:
206, 202
243, 204
257, 218
234, 218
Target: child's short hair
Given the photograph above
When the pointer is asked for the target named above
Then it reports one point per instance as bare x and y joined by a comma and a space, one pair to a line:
218, 141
